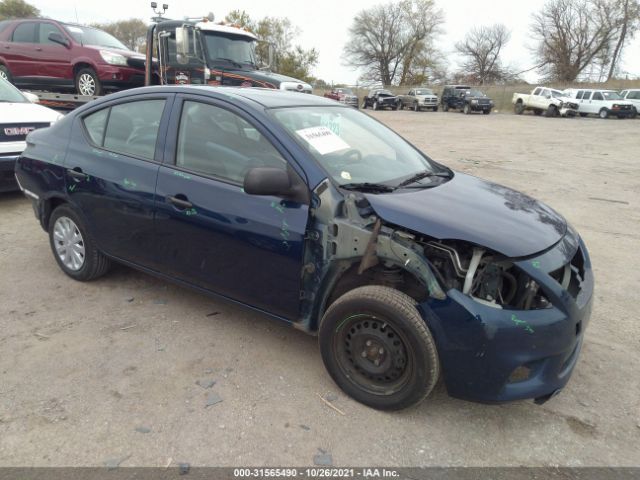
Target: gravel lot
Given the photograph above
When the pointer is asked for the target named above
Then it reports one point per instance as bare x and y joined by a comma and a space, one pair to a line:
108, 371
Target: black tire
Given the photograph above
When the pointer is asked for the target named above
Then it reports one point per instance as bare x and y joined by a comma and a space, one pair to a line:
537, 112
95, 264
445, 107
6, 74
375, 105
416, 107
486, 112
634, 113
83, 75
582, 114
603, 113
364, 104
466, 109
552, 111
518, 108
400, 106
384, 326
435, 109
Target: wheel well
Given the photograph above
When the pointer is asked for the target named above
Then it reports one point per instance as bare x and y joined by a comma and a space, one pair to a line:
47, 209
390, 276
519, 101
79, 66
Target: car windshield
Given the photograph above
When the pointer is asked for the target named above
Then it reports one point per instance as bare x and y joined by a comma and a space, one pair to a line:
10, 94
385, 93
611, 96
352, 147
346, 91
93, 36
234, 49
474, 93
557, 93
424, 91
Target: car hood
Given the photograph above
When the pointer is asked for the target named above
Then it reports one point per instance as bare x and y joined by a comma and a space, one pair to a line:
474, 210
264, 76
13, 113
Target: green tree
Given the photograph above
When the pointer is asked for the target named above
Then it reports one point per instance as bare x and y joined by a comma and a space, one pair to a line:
132, 32
17, 9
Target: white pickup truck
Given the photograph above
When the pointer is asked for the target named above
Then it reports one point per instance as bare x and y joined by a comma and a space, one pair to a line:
549, 101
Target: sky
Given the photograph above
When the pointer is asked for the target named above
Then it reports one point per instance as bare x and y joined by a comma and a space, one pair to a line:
324, 25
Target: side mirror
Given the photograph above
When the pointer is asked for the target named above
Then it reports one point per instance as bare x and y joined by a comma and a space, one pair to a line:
267, 181
182, 41
59, 39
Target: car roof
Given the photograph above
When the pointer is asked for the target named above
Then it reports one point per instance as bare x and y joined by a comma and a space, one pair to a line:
265, 97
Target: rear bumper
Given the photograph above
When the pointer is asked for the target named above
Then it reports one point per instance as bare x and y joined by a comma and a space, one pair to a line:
491, 355
7, 178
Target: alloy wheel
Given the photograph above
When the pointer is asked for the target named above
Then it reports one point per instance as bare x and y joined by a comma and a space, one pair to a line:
69, 243
86, 84
3, 75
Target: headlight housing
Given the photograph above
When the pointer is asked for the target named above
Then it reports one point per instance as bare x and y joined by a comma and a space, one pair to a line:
474, 102
113, 58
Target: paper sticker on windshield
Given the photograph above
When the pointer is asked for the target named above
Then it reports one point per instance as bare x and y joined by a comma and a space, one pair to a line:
345, 175
322, 139
74, 29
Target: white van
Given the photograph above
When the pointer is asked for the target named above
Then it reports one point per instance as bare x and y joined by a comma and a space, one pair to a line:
601, 102
633, 96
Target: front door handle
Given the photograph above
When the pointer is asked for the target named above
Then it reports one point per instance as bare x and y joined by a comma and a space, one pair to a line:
180, 203
77, 174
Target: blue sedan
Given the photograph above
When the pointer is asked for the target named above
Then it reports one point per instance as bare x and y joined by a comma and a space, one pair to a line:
321, 217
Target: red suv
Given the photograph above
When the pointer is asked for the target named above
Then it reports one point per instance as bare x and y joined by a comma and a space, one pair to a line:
50, 55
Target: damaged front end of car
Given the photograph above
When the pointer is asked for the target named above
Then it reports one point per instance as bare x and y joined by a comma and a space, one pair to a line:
506, 328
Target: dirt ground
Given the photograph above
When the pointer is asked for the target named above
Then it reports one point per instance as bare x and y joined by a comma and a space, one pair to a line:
115, 370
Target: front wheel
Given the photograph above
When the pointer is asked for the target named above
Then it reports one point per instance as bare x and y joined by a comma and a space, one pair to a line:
435, 109
73, 248
552, 111
88, 83
582, 114
375, 105
364, 104
486, 112
445, 107
416, 107
604, 113
518, 108
400, 106
634, 113
466, 109
378, 349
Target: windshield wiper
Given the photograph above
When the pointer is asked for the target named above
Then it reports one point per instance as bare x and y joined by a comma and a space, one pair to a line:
368, 187
424, 174
233, 62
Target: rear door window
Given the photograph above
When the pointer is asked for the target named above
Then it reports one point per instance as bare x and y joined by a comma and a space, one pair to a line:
586, 96
95, 125
25, 33
132, 128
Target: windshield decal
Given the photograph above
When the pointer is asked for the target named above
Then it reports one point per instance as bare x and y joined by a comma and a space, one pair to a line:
323, 139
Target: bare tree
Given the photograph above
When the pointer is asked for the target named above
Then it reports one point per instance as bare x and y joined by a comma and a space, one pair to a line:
386, 39
481, 48
570, 34
132, 32
629, 18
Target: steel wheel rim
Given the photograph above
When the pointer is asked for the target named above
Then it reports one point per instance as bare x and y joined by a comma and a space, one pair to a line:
69, 244
372, 354
86, 84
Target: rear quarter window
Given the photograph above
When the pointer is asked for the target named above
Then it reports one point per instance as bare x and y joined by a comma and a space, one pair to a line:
95, 125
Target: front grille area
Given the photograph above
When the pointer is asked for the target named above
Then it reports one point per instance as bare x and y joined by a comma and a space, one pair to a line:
17, 132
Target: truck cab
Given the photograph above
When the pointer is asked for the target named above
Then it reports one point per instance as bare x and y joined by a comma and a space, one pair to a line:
208, 53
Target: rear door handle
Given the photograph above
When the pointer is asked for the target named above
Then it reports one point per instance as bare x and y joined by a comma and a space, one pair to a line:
180, 203
77, 174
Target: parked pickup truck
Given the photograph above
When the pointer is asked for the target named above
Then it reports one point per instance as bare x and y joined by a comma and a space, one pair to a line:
545, 100
343, 95
419, 98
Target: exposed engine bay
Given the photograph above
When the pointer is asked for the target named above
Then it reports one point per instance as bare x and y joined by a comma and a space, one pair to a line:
350, 246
